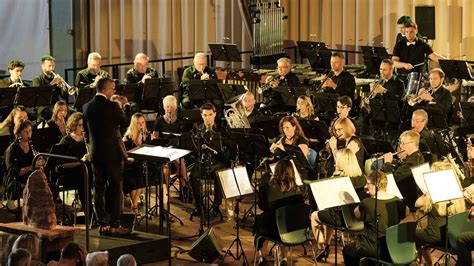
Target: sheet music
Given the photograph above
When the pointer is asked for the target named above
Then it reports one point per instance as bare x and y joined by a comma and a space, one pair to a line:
162, 152
229, 184
418, 172
333, 192
298, 179
442, 185
392, 187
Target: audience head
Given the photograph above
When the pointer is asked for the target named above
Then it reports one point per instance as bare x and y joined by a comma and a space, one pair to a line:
344, 105
126, 260
141, 62
75, 123
344, 128
94, 61
106, 86
200, 62
208, 114
15, 67
284, 176
29, 242
291, 128
337, 62
19, 257
98, 258
283, 66
419, 120
60, 111
436, 78
248, 101
410, 29
376, 178
303, 104
72, 254
48, 64
346, 162
170, 104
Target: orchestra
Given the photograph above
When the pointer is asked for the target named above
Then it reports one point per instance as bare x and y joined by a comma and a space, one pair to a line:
106, 131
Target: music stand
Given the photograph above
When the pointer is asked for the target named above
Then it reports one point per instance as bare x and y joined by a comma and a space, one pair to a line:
436, 117
385, 112
190, 115
320, 60
132, 91
373, 56
235, 183
456, 69
326, 102
8, 96
314, 129
44, 138
290, 94
231, 92
225, 52
268, 124
300, 161
204, 90
374, 148
84, 95
467, 112
157, 88
304, 46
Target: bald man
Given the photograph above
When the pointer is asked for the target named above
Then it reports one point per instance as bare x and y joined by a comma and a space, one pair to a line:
140, 71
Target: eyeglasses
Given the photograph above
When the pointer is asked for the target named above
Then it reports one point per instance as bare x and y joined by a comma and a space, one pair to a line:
405, 143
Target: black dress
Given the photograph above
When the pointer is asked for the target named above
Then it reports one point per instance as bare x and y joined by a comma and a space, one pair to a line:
15, 159
133, 176
434, 232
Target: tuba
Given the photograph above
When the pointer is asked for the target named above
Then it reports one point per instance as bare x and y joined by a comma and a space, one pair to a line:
235, 116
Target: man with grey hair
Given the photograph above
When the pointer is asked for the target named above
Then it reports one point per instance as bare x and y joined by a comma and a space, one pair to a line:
140, 71
198, 71
126, 260
88, 77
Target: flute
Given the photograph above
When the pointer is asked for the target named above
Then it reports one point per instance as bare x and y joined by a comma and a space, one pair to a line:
394, 154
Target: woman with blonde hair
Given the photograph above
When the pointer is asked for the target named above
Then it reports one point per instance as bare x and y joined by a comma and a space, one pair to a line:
434, 232
304, 108
346, 136
58, 119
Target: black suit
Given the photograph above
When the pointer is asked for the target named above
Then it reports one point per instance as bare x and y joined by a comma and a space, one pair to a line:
102, 118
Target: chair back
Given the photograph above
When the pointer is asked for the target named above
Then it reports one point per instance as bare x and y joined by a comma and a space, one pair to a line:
400, 241
312, 156
293, 223
352, 223
457, 224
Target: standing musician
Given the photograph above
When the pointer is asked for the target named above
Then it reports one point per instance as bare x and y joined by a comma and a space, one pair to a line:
140, 70
439, 96
400, 25
15, 67
272, 100
410, 156
345, 132
291, 134
338, 80
430, 142
198, 71
90, 76
48, 77
103, 118
248, 102
411, 50
208, 132
304, 108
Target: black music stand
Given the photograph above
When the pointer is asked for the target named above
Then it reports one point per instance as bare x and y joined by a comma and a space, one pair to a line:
44, 138
320, 60
374, 146
326, 104
225, 52
190, 115
231, 92
467, 112
132, 91
304, 46
7, 96
373, 56
314, 129
36, 96
157, 88
436, 118
300, 161
84, 95
456, 69
201, 91
290, 94
268, 124
385, 112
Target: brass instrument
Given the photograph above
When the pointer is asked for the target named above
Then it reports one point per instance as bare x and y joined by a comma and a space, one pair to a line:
266, 86
415, 99
235, 116
71, 90
325, 153
449, 158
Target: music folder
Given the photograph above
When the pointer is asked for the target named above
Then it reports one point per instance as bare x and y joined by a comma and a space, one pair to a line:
235, 182
334, 192
157, 153
443, 185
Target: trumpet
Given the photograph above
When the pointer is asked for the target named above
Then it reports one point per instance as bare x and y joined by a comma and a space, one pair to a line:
415, 99
266, 86
64, 85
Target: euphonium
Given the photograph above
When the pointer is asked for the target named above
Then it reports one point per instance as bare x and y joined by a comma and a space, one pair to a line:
412, 99
235, 117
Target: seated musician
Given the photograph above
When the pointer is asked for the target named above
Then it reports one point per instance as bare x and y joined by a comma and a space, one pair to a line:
440, 96
343, 109
198, 71
140, 70
134, 181
346, 166
291, 134
48, 77
58, 120
410, 156
16, 116
209, 134
390, 86
339, 81
431, 143
390, 210
88, 77
166, 122
73, 174
304, 108
345, 132
275, 191
272, 99
434, 232
18, 159
15, 68
248, 102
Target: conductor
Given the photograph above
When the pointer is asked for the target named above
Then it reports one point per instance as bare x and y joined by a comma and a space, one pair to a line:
102, 119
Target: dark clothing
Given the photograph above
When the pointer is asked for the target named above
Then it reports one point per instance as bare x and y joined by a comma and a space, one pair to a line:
271, 198
189, 74
413, 54
360, 153
43, 80
102, 119
389, 212
55, 131
133, 76
133, 174
395, 89
434, 233
442, 99
272, 98
84, 77
290, 80
252, 118
15, 159
434, 143
404, 178
465, 244
345, 82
